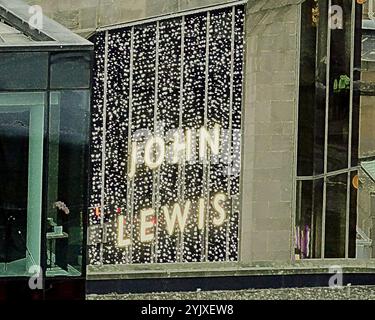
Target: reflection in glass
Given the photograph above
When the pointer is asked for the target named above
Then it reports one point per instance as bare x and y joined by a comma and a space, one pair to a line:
70, 70
26, 70
353, 214
339, 81
14, 145
21, 160
309, 219
329, 60
366, 186
335, 235
69, 116
312, 104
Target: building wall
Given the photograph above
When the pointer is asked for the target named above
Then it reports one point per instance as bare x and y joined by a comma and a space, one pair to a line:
84, 16
367, 143
270, 124
270, 106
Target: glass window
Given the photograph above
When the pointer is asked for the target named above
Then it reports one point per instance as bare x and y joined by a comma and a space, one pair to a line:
67, 178
339, 85
353, 215
26, 70
70, 70
21, 167
309, 219
327, 209
312, 104
365, 95
335, 230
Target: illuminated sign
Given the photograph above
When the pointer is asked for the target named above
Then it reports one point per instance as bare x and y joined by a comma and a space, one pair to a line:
166, 141
175, 216
155, 149
154, 155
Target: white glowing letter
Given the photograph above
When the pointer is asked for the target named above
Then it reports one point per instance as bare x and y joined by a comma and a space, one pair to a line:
178, 147
121, 242
149, 152
201, 214
217, 205
177, 216
133, 160
205, 139
147, 225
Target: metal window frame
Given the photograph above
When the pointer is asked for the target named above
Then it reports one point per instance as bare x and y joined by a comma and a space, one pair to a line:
104, 146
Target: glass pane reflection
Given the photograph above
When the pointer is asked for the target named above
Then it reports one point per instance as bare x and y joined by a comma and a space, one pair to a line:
69, 116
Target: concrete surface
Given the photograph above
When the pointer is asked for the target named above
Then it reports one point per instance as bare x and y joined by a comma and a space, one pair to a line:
348, 293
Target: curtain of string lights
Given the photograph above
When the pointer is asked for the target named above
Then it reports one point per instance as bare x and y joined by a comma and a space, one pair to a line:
179, 73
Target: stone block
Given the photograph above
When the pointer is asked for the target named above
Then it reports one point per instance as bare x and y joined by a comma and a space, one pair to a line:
278, 241
282, 110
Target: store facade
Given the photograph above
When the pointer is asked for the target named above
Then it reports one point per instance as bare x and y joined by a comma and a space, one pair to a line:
174, 138
232, 137
228, 139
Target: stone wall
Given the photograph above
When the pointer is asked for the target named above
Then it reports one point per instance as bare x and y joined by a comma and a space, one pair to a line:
84, 16
269, 130
367, 128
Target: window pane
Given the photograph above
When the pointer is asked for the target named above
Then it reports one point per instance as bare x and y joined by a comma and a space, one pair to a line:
23, 70
340, 78
312, 104
353, 217
336, 216
14, 143
21, 160
303, 219
67, 178
70, 70
309, 219
367, 99
365, 248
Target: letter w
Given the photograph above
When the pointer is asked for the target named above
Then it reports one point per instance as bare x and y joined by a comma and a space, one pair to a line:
177, 216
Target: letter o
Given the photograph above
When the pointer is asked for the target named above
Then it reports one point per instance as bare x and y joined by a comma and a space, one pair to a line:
149, 152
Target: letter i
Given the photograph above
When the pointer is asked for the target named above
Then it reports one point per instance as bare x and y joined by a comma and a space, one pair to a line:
201, 208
